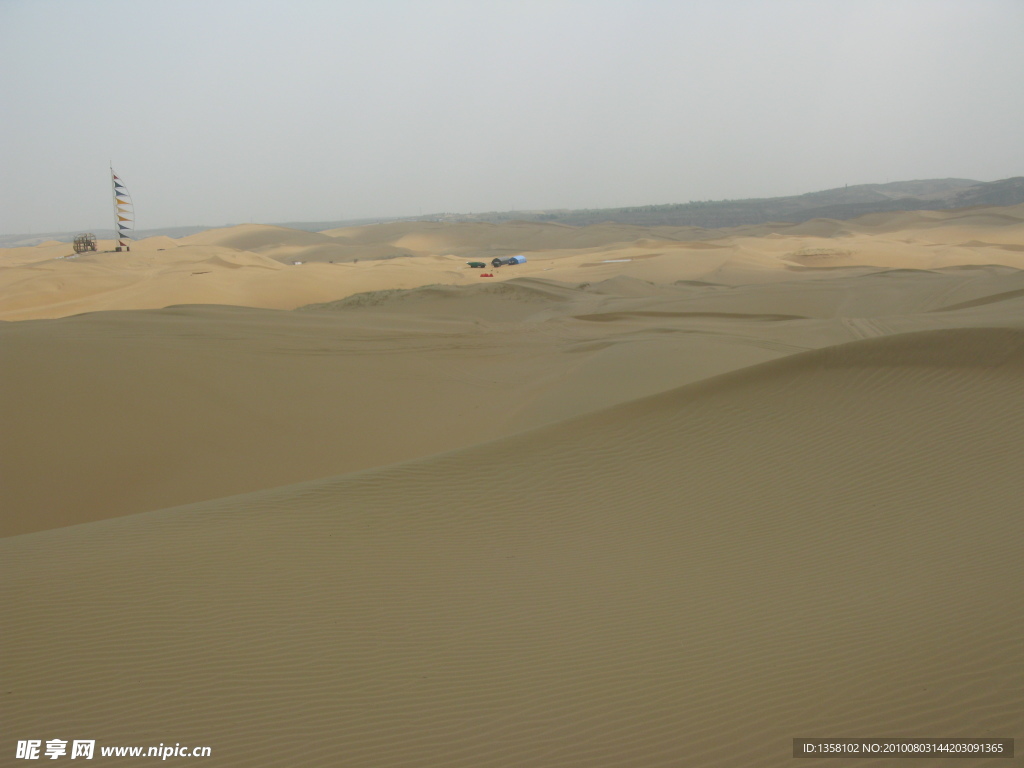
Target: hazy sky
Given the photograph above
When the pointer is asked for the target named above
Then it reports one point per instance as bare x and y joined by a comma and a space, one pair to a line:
228, 111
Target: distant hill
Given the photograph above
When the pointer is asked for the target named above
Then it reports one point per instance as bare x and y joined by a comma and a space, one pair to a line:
839, 203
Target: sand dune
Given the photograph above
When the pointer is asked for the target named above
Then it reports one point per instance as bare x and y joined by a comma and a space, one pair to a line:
256, 237
196, 402
41, 282
822, 545
658, 497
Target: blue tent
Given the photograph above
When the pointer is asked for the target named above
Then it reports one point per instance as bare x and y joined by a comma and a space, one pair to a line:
517, 260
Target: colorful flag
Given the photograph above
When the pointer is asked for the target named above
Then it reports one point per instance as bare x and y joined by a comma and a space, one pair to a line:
124, 210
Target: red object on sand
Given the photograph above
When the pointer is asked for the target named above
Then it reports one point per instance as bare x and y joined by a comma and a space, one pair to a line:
485, 274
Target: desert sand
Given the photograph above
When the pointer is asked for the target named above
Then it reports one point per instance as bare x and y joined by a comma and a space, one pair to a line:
657, 497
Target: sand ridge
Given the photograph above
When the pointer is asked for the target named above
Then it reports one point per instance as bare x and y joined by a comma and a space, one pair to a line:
199, 402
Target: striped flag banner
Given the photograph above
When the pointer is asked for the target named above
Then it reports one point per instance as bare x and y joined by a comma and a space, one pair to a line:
124, 211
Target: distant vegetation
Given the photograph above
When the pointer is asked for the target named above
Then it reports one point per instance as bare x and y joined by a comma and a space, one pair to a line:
839, 203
